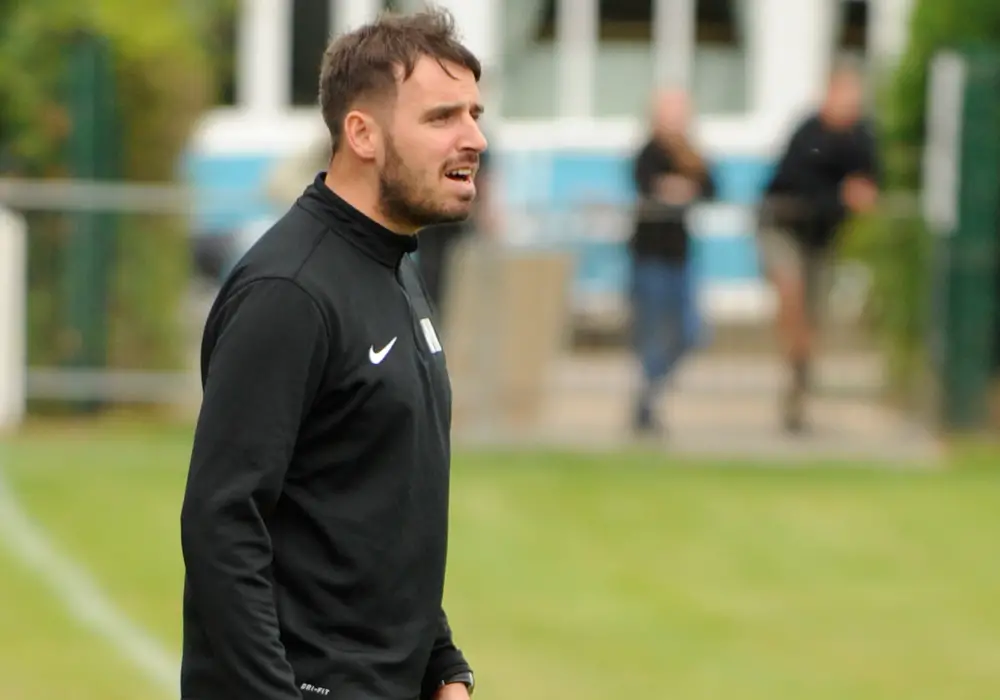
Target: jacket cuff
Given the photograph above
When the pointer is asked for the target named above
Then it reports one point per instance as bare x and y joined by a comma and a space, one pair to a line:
440, 668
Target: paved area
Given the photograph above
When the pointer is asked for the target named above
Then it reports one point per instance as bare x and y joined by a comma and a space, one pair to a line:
721, 406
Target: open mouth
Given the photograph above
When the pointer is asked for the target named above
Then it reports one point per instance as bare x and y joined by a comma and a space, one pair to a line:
459, 174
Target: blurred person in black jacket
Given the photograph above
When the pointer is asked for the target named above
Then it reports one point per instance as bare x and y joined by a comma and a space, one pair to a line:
670, 175
828, 169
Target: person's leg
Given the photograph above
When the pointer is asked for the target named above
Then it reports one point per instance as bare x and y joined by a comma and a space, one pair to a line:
650, 335
817, 282
695, 332
679, 316
784, 265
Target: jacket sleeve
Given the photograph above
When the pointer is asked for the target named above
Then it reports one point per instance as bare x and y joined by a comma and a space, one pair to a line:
270, 352
784, 174
446, 659
709, 187
869, 160
828, 209
643, 172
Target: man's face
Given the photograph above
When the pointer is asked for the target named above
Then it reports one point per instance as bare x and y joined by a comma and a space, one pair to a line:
431, 147
671, 114
843, 100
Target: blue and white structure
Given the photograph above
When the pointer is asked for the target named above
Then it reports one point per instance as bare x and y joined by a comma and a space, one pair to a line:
567, 87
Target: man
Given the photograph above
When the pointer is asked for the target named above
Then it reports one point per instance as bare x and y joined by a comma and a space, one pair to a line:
829, 169
670, 175
314, 524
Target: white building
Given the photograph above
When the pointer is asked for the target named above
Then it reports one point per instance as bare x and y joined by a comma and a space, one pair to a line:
568, 83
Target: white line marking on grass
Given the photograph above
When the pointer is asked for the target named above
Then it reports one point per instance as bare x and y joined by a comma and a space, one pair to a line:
81, 595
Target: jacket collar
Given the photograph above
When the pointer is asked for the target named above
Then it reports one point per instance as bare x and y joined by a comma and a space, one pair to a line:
343, 219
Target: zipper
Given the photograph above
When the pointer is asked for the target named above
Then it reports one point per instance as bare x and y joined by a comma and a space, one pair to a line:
414, 321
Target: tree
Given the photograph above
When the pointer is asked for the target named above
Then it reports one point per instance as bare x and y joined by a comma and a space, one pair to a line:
896, 243
163, 78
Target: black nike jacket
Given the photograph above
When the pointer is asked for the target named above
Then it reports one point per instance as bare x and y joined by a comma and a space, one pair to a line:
314, 524
803, 195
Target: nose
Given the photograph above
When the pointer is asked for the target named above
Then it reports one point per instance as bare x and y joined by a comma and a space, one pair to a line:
475, 140
481, 142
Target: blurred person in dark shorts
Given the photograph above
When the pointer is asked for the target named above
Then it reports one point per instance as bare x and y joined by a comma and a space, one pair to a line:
670, 175
828, 170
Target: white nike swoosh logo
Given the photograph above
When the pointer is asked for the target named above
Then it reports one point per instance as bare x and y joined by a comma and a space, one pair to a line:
377, 356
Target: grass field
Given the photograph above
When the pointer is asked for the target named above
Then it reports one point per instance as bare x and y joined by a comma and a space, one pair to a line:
575, 577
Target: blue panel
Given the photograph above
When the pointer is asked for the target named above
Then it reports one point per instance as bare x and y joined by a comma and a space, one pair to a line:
562, 180
742, 180
726, 258
568, 178
555, 179
602, 267
239, 178
587, 178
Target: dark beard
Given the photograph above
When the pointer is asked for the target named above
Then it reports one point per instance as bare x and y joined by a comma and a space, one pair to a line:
399, 202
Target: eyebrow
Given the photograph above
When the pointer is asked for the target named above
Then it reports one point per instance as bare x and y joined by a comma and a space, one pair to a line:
452, 108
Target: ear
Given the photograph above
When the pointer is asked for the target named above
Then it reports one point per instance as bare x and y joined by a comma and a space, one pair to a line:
362, 135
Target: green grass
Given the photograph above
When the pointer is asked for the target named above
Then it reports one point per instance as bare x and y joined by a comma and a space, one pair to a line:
583, 578
45, 654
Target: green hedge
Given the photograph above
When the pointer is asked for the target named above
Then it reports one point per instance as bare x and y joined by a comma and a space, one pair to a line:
163, 80
895, 242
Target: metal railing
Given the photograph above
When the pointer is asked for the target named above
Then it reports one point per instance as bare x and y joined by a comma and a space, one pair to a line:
522, 370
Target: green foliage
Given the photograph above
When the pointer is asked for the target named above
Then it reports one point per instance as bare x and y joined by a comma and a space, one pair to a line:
896, 243
163, 80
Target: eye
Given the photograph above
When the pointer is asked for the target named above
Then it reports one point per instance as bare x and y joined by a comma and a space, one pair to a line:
440, 119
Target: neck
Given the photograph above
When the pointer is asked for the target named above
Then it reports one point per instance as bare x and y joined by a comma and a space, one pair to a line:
357, 189
832, 121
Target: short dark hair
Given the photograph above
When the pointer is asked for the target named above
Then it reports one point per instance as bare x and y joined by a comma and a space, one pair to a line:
845, 66
369, 60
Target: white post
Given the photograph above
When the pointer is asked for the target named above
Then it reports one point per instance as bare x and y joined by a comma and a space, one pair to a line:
943, 150
348, 15
576, 49
888, 31
13, 297
791, 49
674, 28
479, 24
264, 56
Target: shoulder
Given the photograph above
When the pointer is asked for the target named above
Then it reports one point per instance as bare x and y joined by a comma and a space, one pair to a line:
302, 248
270, 301
648, 149
811, 123
284, 248
653, 156
257, 317
866, 129
282, 264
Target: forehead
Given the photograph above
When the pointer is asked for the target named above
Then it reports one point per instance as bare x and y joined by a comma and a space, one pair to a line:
845, 83
671, 103
430, 83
